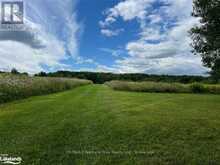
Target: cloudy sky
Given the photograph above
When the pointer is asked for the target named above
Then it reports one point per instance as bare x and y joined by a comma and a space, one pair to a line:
127, 36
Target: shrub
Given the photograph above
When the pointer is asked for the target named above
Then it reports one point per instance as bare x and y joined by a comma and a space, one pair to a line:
198, 88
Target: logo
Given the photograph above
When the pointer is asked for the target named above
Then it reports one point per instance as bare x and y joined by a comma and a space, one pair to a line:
5, 159
12, 15
12, 12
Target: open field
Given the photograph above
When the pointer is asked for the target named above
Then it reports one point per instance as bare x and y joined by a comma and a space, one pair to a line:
162, 87
96, 125
13, 87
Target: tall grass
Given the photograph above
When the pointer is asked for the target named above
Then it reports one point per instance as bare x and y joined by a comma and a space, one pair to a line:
164, 87
13, 87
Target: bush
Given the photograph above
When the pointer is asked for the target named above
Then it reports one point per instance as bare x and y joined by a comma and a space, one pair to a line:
197, 88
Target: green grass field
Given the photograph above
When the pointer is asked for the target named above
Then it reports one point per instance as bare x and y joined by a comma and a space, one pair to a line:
96, 125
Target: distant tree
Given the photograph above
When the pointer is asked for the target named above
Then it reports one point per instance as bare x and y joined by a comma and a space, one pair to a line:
14, 71
25, 73
42, 74
206, 37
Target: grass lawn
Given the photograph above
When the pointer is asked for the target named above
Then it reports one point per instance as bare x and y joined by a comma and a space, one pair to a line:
96, 125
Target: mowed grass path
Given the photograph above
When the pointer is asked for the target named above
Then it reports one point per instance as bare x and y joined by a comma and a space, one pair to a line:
112, 127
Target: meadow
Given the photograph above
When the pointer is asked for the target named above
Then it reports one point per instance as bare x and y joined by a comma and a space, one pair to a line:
13, 87
95, 125
162, 87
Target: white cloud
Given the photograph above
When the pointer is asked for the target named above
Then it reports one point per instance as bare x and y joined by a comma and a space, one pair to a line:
110, 33
151, 34
130, 9
105, 69
127, 10
167, 65
163, 45
108, 21
154, 18
26, 59
72, 40
51, 36
113, 52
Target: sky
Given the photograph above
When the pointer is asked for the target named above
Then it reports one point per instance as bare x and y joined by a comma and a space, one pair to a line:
120, 36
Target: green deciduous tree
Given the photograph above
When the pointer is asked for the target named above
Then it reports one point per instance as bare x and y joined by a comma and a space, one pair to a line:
206, 36
14, 71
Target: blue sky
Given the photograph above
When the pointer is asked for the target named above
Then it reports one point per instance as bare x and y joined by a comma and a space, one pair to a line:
127, 36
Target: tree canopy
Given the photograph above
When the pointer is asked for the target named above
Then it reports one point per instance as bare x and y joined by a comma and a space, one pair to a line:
206, 36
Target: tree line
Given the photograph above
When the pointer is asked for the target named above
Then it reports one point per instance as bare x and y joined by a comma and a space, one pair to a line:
100, 78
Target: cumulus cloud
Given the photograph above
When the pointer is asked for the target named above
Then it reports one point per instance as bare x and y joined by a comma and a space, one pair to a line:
49, 38
129, 9
163, 44
167, 65
27, 37
27, 59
